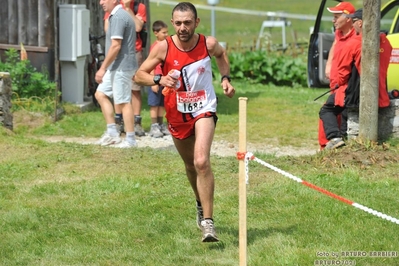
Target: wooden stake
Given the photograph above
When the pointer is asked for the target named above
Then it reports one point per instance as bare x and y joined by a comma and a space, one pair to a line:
242, 188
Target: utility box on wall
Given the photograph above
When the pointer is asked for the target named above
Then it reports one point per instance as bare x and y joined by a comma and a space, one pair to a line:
74, 45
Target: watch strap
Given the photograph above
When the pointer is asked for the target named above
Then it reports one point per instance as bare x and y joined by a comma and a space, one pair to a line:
225, 77
157, 79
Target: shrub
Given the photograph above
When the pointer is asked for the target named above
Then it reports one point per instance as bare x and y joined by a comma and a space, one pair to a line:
26, 81
31, 89
268, 68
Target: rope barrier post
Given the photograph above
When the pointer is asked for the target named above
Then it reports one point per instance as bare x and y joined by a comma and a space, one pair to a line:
242, 188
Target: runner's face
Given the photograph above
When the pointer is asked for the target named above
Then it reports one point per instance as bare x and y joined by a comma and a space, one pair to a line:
184, 24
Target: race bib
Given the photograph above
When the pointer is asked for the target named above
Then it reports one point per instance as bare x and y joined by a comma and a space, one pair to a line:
190, 101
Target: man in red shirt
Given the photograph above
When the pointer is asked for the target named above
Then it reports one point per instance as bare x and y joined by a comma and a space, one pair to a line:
139, 19
385, 56
344, 32
347, 80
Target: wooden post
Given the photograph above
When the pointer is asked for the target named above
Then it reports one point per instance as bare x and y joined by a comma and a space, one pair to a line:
242, 187
369, 79
6, 118
56, 61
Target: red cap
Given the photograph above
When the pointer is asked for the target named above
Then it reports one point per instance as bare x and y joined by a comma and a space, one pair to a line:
342, 7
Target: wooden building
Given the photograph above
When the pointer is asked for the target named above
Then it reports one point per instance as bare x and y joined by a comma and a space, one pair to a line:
35, 24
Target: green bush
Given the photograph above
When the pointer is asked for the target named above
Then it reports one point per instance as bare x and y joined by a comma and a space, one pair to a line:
26, 81
268, 68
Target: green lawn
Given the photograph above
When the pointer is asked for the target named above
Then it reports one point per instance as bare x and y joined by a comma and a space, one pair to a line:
243, 30
71, 204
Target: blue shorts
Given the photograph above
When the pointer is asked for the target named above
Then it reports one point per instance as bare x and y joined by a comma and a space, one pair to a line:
155, 99
117, 85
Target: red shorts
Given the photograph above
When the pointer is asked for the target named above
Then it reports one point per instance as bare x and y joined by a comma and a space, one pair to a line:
183, 130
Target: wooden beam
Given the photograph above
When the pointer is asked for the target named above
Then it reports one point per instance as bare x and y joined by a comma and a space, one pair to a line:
12, 22
33, 20
23, 16
3, 25
27, 48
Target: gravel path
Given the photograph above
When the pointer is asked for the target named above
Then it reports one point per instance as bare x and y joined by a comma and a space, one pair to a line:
220, 148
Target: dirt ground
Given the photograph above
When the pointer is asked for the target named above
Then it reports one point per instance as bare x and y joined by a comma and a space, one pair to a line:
221, 148
354, 153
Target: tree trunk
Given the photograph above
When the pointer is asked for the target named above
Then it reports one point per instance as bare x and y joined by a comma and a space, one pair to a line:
369, 78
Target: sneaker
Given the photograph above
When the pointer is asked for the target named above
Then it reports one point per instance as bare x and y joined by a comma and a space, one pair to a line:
138, 129
200, 216
120, 125
124, 144
334, 144
208, 231
155, 131
106, 139
165, 130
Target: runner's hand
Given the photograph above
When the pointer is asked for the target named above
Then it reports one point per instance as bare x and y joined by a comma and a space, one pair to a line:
228, 89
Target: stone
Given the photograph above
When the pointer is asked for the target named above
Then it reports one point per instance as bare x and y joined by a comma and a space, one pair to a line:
388, 121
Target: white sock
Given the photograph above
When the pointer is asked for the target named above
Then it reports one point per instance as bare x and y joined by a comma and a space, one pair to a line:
130, 137
111, 130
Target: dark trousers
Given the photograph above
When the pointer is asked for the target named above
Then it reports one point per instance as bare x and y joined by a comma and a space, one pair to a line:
329, 113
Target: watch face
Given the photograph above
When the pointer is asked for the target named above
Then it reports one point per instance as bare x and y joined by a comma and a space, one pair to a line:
157, 79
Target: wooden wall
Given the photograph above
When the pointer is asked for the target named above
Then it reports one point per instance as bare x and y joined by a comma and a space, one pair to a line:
35, 24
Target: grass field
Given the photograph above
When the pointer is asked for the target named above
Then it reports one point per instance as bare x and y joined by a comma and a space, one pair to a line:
237, 28
71, 204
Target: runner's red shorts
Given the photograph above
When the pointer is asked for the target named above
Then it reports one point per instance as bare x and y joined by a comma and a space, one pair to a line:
183, 130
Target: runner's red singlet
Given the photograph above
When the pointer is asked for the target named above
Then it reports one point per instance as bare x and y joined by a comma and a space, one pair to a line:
195, 98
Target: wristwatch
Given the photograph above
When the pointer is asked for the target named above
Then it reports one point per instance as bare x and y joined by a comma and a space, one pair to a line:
225, 77
157, 79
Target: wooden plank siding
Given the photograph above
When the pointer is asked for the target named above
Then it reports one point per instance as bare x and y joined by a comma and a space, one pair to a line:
35, 24
32, 22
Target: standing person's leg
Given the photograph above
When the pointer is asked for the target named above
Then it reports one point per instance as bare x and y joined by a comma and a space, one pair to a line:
127, 111
344, 123
328, 114
160, 120
161, 112
122, 100
119, 119
136, 100
153, 100
322, 135
103, 94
